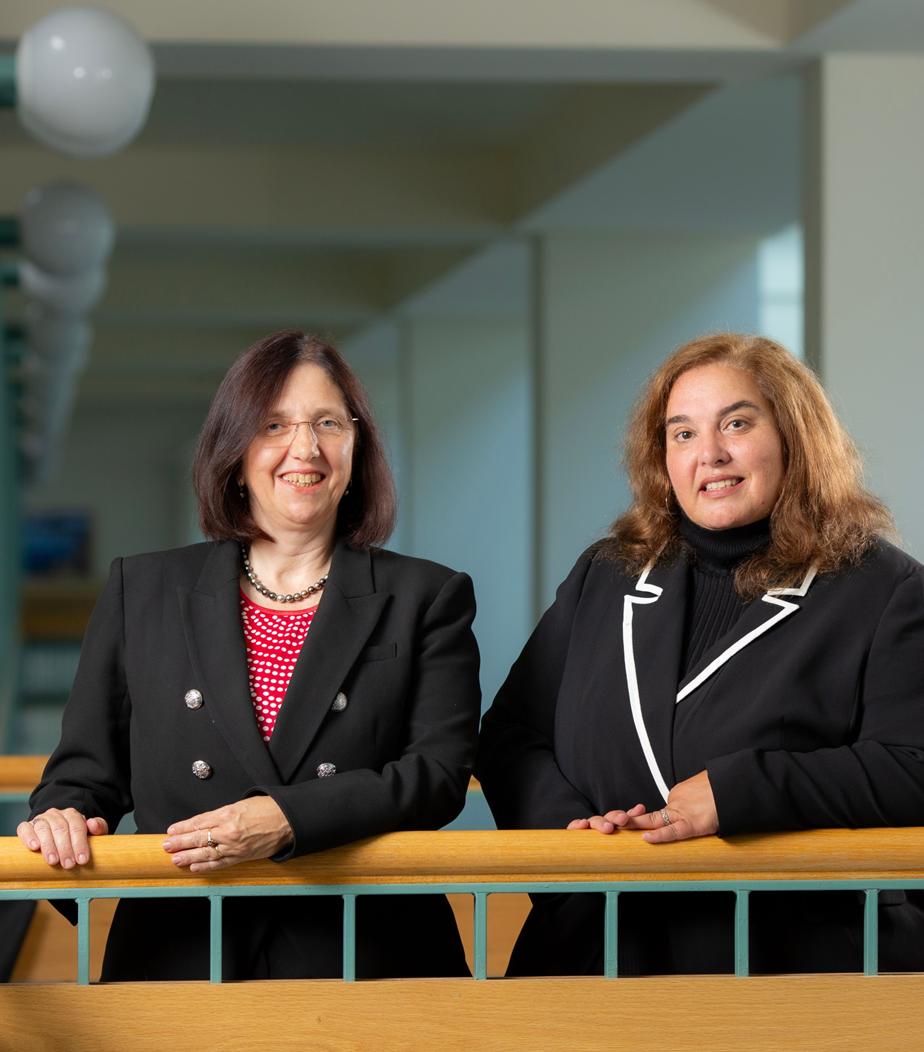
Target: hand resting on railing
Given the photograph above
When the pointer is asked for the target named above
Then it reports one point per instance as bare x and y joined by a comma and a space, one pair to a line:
249, 829
689, 812
62, 836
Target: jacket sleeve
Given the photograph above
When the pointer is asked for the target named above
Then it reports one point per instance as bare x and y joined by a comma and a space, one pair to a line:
516, 759
90, 768
878, 780
424, 788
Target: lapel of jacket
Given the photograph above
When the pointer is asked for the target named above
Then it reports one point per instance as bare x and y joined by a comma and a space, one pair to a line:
758, 618
349, 611
211, 614
652, 636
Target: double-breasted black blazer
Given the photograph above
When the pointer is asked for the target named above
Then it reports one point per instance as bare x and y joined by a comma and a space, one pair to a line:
809, 713
392, 635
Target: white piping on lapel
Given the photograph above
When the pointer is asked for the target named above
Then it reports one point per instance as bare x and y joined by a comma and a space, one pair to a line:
635, 701
770, 597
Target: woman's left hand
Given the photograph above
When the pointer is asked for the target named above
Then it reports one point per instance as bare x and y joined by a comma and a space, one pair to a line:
691, 809
247, 830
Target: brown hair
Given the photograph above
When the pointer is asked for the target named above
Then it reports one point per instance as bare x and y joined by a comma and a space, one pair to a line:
252, 386
824, 516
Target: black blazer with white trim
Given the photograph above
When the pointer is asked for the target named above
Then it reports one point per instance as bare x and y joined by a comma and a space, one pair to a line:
809, 713
392, 634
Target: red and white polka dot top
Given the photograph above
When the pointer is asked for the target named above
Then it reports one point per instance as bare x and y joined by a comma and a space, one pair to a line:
274, 640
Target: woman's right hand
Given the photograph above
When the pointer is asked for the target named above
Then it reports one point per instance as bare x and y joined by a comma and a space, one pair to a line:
61, 836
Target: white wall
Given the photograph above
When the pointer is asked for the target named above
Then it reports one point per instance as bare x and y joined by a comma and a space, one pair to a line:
468, 492
612, 306
374, 353
865, 256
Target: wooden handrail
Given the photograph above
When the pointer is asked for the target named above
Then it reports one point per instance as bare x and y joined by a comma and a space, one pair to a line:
21, 774
503, 857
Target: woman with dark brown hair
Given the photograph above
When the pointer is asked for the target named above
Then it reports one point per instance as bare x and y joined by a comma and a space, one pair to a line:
743, 653
286, 688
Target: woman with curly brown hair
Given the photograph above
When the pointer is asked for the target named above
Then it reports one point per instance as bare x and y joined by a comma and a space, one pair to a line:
743, 653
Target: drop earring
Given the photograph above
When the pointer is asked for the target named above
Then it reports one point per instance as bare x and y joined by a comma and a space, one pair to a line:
241, 490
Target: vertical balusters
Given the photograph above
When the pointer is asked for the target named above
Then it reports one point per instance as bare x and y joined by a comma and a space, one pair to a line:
611, 935
349, 938
742, 936
871, 933
83, 941
215, 939
480, 962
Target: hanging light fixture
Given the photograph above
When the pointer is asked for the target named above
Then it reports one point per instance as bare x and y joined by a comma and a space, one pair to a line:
60, 343
71, 296
84, 79
81, 82
66, 228
66, 232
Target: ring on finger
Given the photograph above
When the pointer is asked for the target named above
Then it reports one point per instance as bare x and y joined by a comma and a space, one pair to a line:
210, 842
665, 817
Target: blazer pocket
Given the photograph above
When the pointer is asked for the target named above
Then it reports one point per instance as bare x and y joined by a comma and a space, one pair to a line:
380, 653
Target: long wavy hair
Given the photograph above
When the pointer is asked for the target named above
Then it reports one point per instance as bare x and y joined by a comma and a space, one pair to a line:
824, 516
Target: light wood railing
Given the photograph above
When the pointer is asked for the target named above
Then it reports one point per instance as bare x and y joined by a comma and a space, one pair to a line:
504, 856
19, 775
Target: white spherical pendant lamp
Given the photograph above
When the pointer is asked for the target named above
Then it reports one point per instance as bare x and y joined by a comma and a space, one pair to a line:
70, 296
84, 81
66, 228
59, 343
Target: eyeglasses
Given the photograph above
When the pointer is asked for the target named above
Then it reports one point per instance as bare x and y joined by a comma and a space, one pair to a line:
328, 429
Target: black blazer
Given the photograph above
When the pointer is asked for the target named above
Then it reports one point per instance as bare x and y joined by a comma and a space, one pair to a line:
809, 713
392, 634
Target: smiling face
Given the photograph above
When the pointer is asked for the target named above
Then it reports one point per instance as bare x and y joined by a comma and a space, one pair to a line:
297, 488
724, 450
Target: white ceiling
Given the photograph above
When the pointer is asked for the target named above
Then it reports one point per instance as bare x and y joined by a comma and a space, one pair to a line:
344, 115
730, 162
868, 25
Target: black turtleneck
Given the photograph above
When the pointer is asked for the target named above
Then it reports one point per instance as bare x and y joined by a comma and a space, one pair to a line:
713, 604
